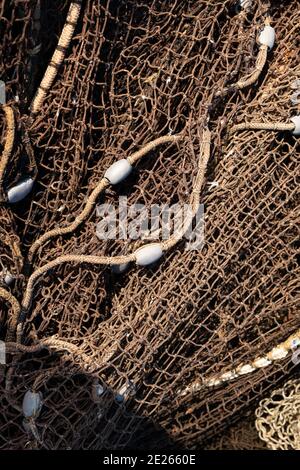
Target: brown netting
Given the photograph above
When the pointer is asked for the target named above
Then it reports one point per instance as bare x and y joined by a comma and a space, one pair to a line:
130, 360
241, 436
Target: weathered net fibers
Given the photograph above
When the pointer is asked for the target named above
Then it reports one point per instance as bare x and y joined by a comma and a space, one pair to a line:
188, 94
278, 417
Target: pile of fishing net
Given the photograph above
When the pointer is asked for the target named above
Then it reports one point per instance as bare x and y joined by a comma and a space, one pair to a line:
192, 99
278, 417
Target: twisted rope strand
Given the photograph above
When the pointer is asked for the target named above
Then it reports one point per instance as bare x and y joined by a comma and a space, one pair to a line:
117, 260
135, 157
259, 66
195, 194
280, 351
261, 61
9, 141
104, 183
58, 56
58, 345
266, 126
12, 323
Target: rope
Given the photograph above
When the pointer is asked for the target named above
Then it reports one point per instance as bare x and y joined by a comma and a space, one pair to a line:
58, 56
12, 323
278, 352
259, 66
58, 345
195, 195
266, 126
135, 157
261, 61
9, 141
117, 260
104, 183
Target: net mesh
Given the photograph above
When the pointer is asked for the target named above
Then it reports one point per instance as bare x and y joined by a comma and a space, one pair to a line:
277, 417
112, 354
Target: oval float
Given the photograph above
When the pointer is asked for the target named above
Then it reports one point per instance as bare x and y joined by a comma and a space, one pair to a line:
148, 254
296, 121
32, 404
20, 190
118, 171
267, 37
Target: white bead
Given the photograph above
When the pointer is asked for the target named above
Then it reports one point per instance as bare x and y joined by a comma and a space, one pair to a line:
32, 404
99, 390
213, 382
118, 171
148, 254
245, 3
267, 37
296, 121
246, 369
8, 279
125, 391
228, 376
20, 191
262, 362
278, 353
6, 276
119, 268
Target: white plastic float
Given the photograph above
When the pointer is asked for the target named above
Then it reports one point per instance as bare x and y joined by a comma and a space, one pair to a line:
267, 37
148, 254
245, 4
32, 404
296, 121
118, 171
20, 190
262, 362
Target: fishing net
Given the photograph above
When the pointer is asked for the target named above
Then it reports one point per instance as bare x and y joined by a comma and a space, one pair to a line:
241, 436
278, 417
193, 97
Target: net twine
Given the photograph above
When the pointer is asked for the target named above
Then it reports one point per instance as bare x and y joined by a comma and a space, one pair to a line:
182, 425
278, 417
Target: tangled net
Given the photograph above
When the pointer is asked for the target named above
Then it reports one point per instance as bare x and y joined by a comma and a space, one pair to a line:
278, 417
240, 436
189, 95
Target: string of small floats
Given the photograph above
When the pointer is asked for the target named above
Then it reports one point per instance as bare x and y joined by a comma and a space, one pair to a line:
116, 173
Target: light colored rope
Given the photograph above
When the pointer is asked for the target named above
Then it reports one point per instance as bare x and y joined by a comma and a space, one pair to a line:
259, 66
55, 344
195, 194
277, 353
58, 56
166, 139
104, 183
9, 141
13, 319
261, 61
97, 260
266, 126
117, 260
